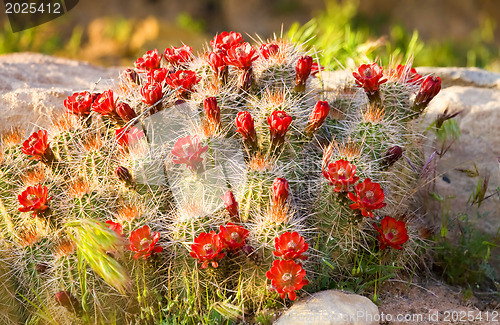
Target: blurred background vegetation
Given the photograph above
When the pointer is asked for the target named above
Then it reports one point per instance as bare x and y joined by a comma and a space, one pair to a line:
436, 33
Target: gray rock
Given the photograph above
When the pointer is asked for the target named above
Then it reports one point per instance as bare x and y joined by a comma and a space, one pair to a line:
34, 86
472, 77
331, 307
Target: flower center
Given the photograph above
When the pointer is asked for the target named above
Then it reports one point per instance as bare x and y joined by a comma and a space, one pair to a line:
183, 75
33, 142
208, 248
368, 72
32, 197
291, 245
286, 277
235, 236
79, 98
341, 172
144, 241
369, 194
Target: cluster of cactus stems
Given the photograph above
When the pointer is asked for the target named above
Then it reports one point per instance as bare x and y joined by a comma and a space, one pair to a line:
231, 181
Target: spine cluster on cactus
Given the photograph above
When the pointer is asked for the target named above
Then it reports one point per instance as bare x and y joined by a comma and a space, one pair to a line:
240, 139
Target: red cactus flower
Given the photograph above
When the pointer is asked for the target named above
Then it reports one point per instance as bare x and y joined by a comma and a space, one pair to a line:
104, 103
125, 111
207, 248
226, 40
428, 90
318, 116
185, 79
303, 69
188, 150
369, 77
233, 237
279, 121
392, 155
34, 199
231, 205
286, 277
123, 174
369, 196
290, 246
245, 126
179, 55
216, 60
212, 110
409, 74
131, 76
79, 103
116, 227
157, 75
341, 175
393, 233
143, 242
37, 146
281, 189
151, 93
241, 56
268, 50
149, 61
127, 137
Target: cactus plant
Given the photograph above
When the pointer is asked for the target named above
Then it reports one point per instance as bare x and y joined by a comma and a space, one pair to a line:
219, 183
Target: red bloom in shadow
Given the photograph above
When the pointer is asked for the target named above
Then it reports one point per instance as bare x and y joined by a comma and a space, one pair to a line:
428, 90
104, 103
149, 61
188, 150
341, 175
393, 233
124, 111
226, 40
179, 55
369, 196
369, 77
241, 56
128, 137
34, 199
233, 237
286, 277
207, 248
290, 246
116, 227
37, 146
79, 103
143, 242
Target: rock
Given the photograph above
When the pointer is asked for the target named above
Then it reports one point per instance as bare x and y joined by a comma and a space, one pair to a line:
34, 86
472, 77
331, 307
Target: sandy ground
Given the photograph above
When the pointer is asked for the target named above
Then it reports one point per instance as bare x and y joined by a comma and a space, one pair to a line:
432, 302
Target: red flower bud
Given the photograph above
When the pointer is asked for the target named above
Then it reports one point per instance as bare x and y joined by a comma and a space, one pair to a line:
131, 76
104, 103
392, 155
303, 69
79, 103
278, 121
149, 61
245, 126
428, 90
212, 110
124, 175
281, 189
318, 116
151, 93
231, 205
68, 301
125, 111
268, 50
